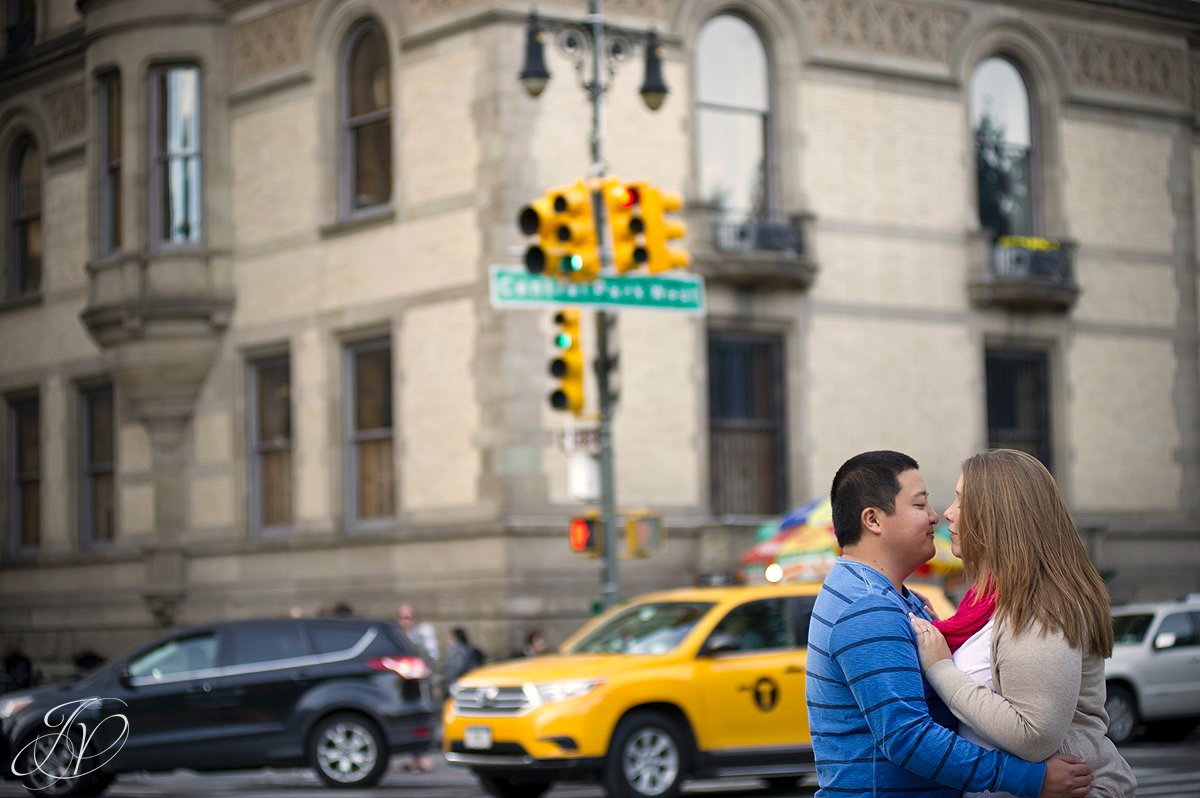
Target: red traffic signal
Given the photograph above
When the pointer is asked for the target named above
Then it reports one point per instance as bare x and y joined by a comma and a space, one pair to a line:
584, 536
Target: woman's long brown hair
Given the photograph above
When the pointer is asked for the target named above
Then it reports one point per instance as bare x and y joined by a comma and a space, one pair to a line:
1019, 539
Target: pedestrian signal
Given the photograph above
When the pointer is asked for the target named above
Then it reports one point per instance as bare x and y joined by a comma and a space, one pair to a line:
585, 535
644, 534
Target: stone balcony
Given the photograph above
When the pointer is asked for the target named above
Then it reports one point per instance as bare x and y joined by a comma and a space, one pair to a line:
750, 253
1024, 273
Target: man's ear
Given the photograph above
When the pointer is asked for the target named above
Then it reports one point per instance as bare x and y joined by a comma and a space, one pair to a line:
870, 520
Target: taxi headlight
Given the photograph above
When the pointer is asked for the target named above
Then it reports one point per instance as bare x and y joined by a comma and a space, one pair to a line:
11, 706
562, 690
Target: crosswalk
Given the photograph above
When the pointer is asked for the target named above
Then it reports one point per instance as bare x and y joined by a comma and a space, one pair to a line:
1165, 769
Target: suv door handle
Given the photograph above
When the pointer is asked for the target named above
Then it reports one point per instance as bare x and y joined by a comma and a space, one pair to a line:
203, 687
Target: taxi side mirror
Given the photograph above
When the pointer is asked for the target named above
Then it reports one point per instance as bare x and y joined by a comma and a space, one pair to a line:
720, 642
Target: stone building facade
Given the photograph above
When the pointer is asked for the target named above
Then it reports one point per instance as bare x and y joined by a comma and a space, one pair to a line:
250, 362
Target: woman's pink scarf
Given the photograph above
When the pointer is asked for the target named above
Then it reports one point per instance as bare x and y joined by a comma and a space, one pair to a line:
973, 614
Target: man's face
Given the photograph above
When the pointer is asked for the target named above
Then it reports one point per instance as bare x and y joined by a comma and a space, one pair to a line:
405, 617
908, 531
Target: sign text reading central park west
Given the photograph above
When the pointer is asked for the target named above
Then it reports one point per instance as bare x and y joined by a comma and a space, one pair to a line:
514, 287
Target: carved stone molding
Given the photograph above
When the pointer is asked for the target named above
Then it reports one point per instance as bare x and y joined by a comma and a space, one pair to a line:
66, 107
272, 42
884, 26
1100, 62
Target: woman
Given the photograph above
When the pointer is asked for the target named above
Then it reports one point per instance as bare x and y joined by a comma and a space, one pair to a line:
1032, 635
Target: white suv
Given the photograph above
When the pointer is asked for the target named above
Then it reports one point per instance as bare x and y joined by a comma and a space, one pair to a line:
1153, 675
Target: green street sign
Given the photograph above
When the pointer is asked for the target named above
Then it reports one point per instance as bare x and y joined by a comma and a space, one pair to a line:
514, 287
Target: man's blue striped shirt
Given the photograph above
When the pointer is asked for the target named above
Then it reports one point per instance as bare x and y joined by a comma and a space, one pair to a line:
878, 728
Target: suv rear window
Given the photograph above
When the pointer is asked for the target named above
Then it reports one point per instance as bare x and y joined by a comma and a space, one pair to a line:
1130, 630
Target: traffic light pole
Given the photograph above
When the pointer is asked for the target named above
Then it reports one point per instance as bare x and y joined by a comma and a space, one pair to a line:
608, 500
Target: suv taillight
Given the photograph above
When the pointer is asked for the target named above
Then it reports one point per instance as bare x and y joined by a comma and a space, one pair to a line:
410, 668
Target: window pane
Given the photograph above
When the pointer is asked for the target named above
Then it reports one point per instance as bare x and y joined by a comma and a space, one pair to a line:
100, 427
370, 83
1000, 103
28, 437
275, 473
178, 159
376, 479
274, 402
746, 434
373, 390
110, 198
31, 514
29, 181
759, 625
252, 644
372, 144
1000, 118
327, 639
732, 168
175, 657
1018, 409
731, 64
103, 518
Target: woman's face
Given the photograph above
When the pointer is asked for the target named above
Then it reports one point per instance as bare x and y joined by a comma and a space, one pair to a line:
951, 516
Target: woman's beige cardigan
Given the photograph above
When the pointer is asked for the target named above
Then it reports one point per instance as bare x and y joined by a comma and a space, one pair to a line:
1049, 699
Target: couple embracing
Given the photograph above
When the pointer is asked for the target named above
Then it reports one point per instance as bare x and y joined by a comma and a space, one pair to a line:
1018, 671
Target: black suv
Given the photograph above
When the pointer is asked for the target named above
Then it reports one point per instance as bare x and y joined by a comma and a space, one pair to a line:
340, 695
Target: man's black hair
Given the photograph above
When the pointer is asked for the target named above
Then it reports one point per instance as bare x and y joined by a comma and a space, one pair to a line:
870, 479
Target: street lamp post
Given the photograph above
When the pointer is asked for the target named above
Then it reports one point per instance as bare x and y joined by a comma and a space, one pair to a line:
534, 76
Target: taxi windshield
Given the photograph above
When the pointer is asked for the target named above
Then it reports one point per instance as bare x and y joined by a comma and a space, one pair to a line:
654, 628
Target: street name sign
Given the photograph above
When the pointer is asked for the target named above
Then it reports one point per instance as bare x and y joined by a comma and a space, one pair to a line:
514, 287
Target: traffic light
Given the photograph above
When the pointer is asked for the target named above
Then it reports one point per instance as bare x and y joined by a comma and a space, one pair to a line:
575, 221
644, 533
565, 224
567, 364
623, 201
540, 219
585, 534
660, 230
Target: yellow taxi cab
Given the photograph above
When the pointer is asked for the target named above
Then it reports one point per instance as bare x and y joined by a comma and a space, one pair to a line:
688, 683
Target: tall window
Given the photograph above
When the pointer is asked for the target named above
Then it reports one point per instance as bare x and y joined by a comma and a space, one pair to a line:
746, 428
271, 433
20, 25
177, 205
110, 163
1000, 120
1018, 401
25, 219
372, 470
97, 465
733, 113
25, 480
366, 119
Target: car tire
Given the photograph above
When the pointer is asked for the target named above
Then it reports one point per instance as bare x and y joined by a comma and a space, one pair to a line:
347, 750
1121, 706
648, 757
503, 787
56, 758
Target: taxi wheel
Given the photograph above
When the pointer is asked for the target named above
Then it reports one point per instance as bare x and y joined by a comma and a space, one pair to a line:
500, 787
648, 757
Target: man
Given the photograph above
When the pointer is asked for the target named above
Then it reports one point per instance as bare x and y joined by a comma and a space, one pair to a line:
877, 727
424, 638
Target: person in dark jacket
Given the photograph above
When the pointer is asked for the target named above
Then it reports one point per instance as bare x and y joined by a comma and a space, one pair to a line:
461, 658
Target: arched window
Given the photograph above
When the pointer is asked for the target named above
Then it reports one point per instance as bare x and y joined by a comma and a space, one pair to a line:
25, 219
1004, 156
366, 120
733, 117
